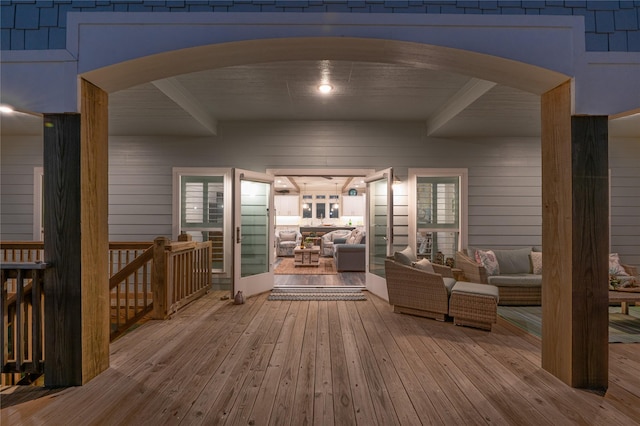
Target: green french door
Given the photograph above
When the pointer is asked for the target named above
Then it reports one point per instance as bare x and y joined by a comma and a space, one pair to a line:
379, 228
253, 232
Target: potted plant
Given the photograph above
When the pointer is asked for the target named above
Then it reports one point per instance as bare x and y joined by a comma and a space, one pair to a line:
308, 242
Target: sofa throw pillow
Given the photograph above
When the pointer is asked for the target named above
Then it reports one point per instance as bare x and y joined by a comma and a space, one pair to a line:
405, 257
287, 236
514, 261
615, 268
536, 262
423, 265
355, 237
488, 260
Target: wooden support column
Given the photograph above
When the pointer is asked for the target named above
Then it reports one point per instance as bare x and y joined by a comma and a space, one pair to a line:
575, 229
76, 241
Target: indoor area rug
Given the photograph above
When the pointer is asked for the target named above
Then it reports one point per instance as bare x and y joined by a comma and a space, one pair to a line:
351, 294
286, 267
622, 328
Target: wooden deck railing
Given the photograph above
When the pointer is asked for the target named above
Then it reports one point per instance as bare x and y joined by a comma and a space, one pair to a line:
154, 279
22, 312
130, 284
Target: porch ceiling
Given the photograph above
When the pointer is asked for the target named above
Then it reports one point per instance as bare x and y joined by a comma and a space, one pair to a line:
450, 105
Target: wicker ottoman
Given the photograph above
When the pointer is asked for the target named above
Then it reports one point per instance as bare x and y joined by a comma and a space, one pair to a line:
474, 305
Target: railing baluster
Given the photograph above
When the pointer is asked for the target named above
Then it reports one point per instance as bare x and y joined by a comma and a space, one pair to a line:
17, 332
5, 321
36, 294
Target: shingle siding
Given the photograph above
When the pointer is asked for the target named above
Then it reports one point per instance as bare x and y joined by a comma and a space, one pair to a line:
618, 21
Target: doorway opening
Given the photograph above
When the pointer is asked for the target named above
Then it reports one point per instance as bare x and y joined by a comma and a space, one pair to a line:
322, 208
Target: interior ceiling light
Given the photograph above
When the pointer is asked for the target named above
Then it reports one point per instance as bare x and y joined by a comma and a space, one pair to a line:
325, 88
6, 109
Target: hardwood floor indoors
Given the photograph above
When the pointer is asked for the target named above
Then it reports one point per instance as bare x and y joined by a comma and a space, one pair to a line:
324, 363
340, 279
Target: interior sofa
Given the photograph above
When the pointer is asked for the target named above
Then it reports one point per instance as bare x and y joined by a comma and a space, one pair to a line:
511, 270
349, 257
327, 241
349, 254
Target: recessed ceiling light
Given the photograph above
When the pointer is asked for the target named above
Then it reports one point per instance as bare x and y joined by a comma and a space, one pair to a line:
325, 88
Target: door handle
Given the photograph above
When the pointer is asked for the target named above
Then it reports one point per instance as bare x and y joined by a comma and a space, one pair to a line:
238, 239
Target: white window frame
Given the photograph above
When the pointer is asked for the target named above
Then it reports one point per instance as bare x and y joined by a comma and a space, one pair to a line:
227, 173
38, 204
412, 185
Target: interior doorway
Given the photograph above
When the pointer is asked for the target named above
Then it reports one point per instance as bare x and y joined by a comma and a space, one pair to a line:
318, 206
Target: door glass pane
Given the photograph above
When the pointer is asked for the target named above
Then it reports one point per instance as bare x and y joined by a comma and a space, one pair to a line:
378, 219
193, 202
438, 217
254, 219
202, 213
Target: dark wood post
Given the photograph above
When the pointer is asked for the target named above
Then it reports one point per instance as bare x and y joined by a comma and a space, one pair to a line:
159, 278
575, 229
76, 242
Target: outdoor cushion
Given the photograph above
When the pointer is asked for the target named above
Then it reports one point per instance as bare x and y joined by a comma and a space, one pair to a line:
536, 262
487, 258
449, 283
423, 264
615, 268
405, 257
514, 261
515, 280
475, 288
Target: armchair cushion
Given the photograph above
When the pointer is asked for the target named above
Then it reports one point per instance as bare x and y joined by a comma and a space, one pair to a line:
288, 235
405, 257
423, 264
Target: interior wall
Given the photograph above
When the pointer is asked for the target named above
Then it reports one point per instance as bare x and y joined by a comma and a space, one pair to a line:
504, 176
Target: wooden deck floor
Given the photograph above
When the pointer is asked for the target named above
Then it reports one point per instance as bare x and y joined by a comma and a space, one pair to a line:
325, 363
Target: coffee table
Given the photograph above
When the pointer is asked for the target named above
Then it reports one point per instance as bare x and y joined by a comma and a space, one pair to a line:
306, 256
624, 298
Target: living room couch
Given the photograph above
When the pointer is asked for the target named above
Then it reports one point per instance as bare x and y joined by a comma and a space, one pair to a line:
327, 241
349, 257
514, 275
349, 254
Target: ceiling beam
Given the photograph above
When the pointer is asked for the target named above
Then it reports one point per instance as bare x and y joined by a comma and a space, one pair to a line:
468, 94
181, 96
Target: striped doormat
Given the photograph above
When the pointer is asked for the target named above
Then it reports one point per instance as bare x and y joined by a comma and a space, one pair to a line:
324, 293
622, 328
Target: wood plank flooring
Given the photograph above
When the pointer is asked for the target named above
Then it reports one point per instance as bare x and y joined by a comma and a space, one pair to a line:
325, 363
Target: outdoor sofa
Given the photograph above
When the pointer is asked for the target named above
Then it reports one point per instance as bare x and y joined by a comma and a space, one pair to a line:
511, 270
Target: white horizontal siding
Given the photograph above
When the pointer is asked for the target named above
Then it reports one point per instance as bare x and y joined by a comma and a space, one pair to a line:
504, 200
19, 156
624, 165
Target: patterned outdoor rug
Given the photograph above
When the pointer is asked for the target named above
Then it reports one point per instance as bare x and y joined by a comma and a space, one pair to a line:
286, 267
317, 294
622, 328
